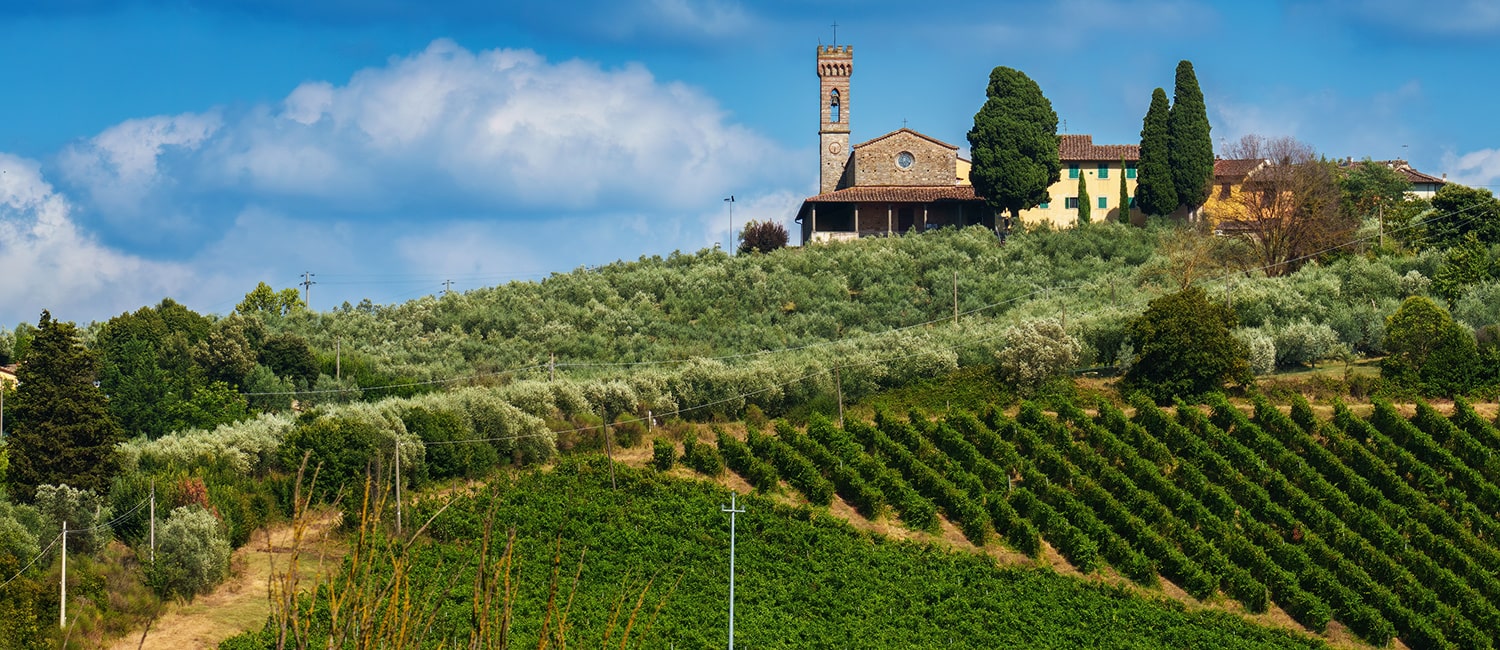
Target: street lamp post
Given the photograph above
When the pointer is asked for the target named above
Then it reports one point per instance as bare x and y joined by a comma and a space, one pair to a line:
730, 201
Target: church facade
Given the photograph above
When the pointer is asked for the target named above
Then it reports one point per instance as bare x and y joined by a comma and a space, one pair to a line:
905, 180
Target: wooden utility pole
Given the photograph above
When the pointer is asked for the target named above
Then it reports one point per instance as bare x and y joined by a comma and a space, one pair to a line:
338, 359
62, 609
398, 486
955, 298
153, 522
838, 382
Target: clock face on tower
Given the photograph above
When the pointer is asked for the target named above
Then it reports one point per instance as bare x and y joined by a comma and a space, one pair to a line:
904, 160
833, 147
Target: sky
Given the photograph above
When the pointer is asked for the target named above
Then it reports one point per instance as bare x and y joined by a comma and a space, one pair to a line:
189, 149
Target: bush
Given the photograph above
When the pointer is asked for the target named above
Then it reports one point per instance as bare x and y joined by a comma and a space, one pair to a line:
629, 431
703, 458
1429, 351
192, 554
82, 509
1303, 342
762, 236
1262, 349
1036, 351
1185, 348
452, 451
663, 454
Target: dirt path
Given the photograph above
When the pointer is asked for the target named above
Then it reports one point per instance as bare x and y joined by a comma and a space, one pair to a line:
240, 604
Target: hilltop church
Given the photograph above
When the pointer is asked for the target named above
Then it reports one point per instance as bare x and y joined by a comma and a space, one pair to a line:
906, 180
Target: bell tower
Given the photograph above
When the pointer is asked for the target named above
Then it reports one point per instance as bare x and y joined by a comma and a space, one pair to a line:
835, 64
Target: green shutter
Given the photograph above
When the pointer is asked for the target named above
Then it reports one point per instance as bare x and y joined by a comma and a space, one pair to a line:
1103, 170
1072, 171
1130, 170
1103, 203
1043, 205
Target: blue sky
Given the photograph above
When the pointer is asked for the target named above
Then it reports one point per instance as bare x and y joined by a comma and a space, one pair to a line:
191, 149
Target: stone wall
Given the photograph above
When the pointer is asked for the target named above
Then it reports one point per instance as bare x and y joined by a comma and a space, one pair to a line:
932, 163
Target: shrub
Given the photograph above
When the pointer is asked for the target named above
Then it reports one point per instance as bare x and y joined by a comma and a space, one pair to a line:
1429, 351
192, 554
703, 458
629, 431
762, 236
1303, 342
663, 454
341, 449
1262, 349
452, 450
1036, 351
82, 509
1185, 348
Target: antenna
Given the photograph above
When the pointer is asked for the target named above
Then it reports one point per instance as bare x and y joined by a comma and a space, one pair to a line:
835, 40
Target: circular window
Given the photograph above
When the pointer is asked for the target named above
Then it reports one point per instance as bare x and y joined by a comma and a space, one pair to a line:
904, 160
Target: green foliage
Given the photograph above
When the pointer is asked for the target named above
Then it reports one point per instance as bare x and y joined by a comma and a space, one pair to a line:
341, 449
663, 454
704, 459
1035, 352
1192, 148
762, 237
1185, 348
1084, 209
288, 355
452, 451
1468, 263
1428, 350
1155, 187
265, 301
1369, 186
59, 427
1124, 198
1460, 210
192, 554
86, 513
1014, 143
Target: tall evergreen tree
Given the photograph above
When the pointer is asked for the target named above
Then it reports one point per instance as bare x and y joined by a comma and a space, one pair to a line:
1085, 211
1124, 195
1192, 149
1014, 144
1155, 193
62, 432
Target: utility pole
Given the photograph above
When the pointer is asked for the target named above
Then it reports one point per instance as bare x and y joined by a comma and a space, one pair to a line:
338, 359
62, 610
733, 510
307, 283
153, 522
447, 286
955, 298
1380, 216
398, 486
838, 382
730, 201
609, 450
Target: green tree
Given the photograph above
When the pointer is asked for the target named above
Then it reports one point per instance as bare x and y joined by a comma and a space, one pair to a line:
1124, 211
1192, 148
265, 301
60, 428
1014, 144
1155, 191
1368, 186
1429, 351
1185, 348
1460, 210
288, 355
1085, 211
1467, 263
193, 555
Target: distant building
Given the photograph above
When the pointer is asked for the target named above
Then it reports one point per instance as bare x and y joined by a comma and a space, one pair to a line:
1423, 186
905, 180
8, 376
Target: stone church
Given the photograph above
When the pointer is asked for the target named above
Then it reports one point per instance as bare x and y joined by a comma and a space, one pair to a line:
905, 180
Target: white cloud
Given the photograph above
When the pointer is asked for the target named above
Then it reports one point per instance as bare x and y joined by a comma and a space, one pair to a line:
1478, 168
1434, 18
119, 166
48, 263
487, 131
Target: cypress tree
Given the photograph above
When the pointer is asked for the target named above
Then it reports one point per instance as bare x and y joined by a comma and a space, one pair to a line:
1124, 195
1192, 149
1085, 211
1155, 193
1014, 143
63, 432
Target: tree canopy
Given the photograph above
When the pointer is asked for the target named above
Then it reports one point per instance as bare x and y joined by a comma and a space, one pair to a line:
1192, 147
60, 428
1014, 143
1428, 350
264, 300
1085, 211
1155, 191
1461, 210
1184, 347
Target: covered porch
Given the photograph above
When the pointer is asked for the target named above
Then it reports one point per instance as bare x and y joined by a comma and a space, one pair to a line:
883, 211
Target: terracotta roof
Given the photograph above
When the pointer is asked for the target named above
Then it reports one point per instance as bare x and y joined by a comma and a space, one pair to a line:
1236, 168
906, 130
1415, 176
897, 194
1082, 147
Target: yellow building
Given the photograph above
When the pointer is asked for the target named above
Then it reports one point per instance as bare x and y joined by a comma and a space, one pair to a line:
1101, 166
1224, 203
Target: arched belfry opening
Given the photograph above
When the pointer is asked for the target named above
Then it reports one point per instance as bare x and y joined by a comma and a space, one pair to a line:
834, 106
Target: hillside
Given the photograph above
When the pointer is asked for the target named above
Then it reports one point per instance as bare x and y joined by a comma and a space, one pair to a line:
803, 579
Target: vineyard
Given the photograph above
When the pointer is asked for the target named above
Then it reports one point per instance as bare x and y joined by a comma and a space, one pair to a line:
1385, 523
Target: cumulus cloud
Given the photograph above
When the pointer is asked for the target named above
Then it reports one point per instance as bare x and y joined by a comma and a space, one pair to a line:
47, 262
488, 131
1479, 168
